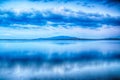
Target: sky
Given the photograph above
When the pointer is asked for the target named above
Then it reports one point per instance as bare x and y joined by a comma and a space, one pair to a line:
29, 19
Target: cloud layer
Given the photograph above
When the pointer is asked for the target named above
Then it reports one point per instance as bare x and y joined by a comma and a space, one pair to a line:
85, 2
46, 18
63, 17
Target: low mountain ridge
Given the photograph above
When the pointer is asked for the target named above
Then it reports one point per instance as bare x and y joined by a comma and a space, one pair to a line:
63, 38
59, 38
73, 38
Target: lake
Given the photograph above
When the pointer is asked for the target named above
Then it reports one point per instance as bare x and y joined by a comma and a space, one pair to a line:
60, 60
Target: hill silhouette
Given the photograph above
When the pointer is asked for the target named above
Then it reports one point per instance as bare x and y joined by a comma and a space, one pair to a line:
73, 38
62, 38
59, 38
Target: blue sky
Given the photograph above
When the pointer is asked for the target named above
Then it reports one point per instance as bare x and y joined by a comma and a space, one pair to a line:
26, 19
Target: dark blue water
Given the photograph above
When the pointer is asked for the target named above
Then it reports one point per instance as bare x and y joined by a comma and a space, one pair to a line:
56, 60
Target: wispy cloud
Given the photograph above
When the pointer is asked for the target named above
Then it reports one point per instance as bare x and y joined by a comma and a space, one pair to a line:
30, 33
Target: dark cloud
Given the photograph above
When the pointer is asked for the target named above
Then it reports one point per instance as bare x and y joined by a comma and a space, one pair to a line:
52, 18
113, 1
4, 1
36, 0
1, 1
8, 18
84, 2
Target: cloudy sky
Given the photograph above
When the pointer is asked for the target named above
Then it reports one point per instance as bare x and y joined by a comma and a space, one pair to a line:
27, 19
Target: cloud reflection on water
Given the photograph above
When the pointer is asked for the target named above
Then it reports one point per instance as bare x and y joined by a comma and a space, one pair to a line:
59, 60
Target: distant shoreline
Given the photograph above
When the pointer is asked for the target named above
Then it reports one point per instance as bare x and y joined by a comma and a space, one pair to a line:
54, 39
61, 38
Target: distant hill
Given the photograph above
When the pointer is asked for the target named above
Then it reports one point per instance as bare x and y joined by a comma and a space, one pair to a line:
59, 38
73, 38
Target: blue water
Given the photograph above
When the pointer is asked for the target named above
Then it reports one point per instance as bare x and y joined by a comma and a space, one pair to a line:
60, 59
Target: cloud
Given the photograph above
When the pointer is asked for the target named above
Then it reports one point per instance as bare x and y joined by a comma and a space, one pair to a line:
2, 1
113, 1
85, 2
55, 18
31, 33
45, 18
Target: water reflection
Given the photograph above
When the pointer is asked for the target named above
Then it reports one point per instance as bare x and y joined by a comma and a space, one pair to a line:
34, 60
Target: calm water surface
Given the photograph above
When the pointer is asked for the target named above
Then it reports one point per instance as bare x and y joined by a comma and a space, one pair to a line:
60, 60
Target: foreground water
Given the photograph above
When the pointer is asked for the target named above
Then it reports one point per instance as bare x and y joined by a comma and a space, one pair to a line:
56, 60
